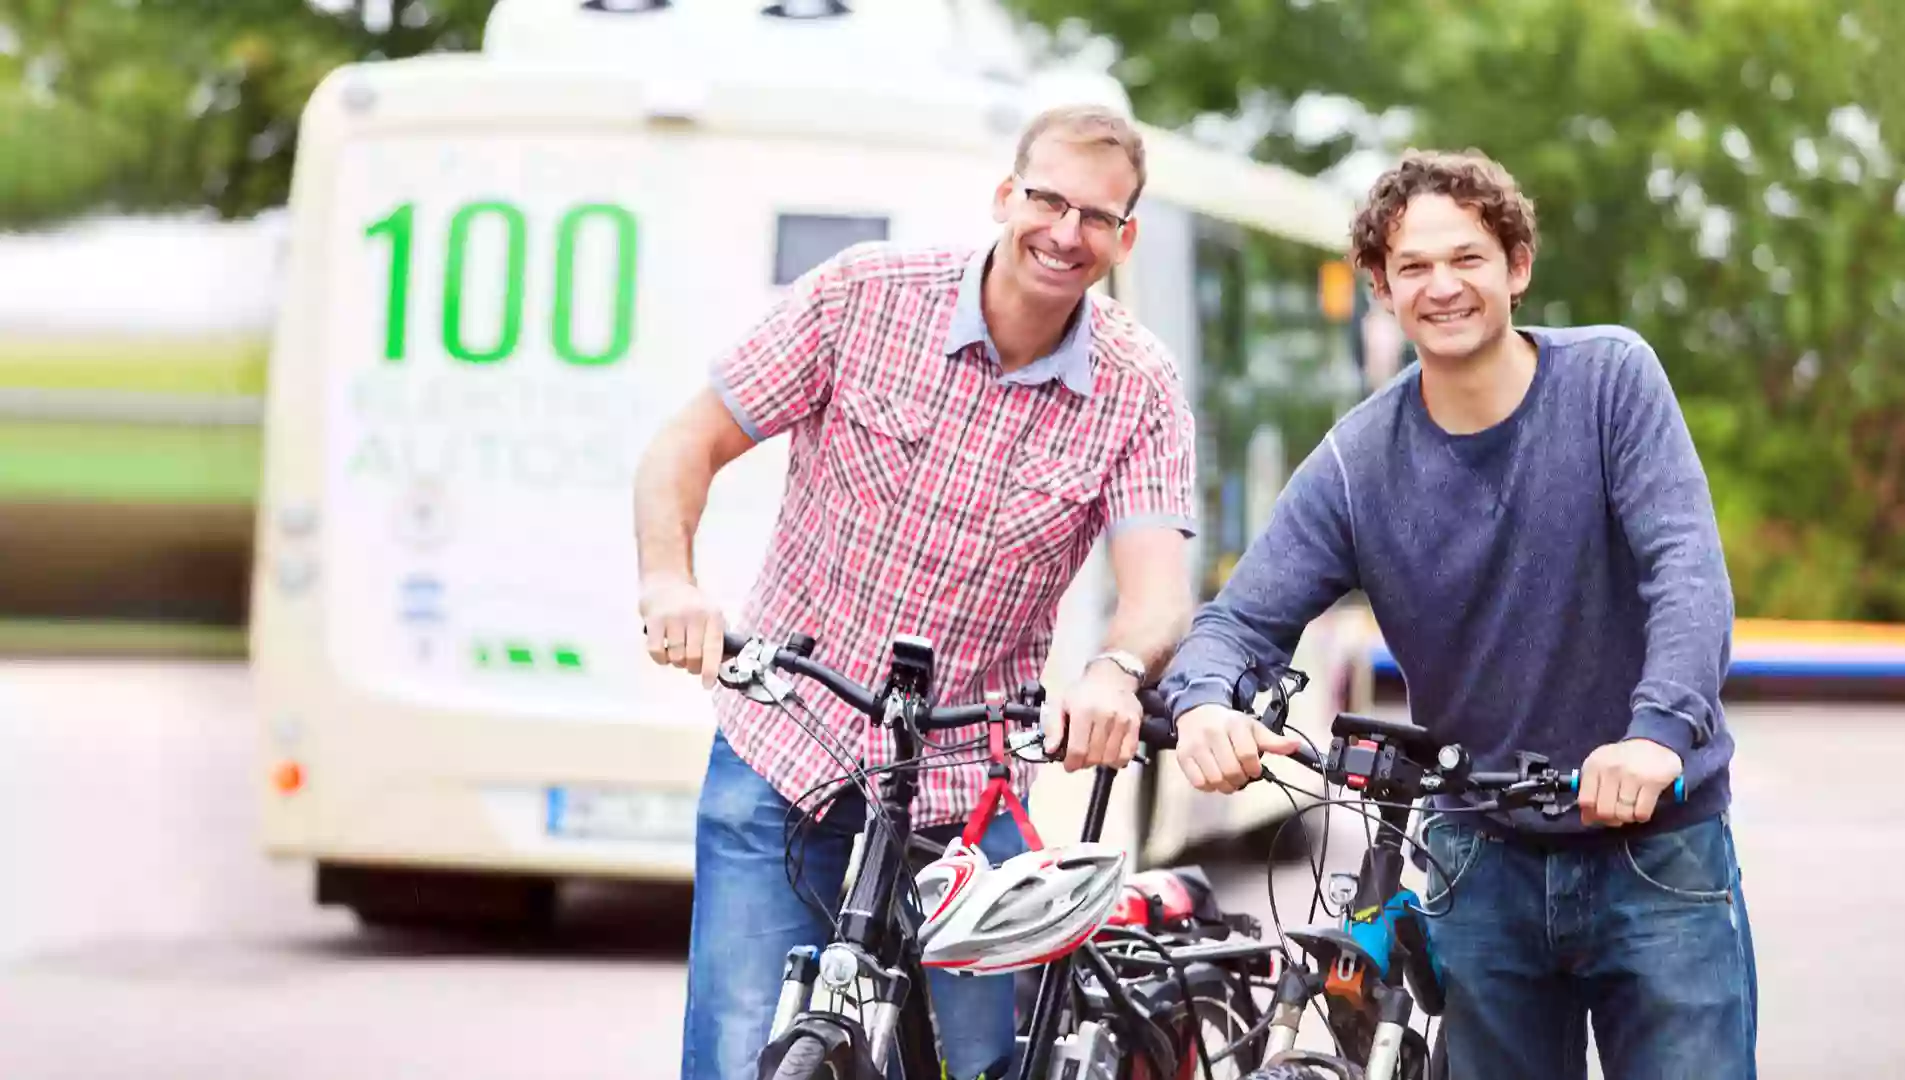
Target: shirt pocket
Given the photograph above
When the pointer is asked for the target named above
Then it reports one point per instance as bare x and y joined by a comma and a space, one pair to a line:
873, 446
1047, 502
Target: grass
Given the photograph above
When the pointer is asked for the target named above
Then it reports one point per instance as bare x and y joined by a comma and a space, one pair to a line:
221, 366
108, 637
97, 462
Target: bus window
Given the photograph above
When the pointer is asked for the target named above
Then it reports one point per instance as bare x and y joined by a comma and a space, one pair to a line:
1276, 368
804, 241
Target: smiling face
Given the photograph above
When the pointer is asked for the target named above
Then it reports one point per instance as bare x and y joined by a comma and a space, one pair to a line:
1447, 279
1065, 217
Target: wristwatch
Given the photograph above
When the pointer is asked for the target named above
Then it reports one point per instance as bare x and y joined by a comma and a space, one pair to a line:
1126, 662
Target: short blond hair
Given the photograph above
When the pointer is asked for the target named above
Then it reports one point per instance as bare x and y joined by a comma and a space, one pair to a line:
1090, 124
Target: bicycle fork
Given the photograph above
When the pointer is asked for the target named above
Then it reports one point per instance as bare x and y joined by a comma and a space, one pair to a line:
1385, 1050
1294, 991
833, 978
1298, 986
827, 983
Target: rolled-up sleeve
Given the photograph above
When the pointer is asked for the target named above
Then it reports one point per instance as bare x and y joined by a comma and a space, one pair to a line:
1152, 483
782, 370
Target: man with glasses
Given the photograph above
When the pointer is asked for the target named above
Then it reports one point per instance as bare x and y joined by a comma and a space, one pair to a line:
965, 424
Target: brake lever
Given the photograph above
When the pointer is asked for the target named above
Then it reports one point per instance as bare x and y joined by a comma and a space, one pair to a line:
1029, 745
751, 671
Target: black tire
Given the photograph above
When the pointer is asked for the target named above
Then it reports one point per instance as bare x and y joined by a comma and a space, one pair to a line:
1222, 1024
806, 1060
1302, 1065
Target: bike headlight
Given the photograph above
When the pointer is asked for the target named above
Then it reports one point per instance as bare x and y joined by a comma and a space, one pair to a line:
838, 966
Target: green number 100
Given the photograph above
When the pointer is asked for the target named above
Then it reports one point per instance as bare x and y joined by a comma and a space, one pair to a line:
399, 227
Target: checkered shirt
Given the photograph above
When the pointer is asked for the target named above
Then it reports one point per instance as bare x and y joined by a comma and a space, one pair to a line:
927, 496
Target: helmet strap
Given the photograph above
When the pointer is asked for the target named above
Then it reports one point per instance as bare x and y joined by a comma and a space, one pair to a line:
998, 784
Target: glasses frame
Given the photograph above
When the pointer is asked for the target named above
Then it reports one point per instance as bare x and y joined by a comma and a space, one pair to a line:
1112, 224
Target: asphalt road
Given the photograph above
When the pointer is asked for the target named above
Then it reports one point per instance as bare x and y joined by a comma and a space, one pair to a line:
142, 935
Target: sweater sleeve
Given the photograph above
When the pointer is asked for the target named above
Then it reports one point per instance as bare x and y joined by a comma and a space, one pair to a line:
1659, 495
1301, 564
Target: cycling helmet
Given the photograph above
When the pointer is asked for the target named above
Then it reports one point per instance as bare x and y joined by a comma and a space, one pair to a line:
1027, 911
943, 882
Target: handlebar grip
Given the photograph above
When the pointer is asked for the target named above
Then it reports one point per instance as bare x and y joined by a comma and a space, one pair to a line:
1156, 731
1679, 786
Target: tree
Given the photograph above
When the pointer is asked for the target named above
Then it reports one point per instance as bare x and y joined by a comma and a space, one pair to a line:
1718, 174
139, 105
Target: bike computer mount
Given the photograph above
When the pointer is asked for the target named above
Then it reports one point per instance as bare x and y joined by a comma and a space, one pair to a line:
909, 678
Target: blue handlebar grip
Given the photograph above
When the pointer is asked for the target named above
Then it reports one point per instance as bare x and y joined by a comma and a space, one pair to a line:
1679, 786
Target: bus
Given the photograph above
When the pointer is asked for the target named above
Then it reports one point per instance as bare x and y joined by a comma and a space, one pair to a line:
506, 269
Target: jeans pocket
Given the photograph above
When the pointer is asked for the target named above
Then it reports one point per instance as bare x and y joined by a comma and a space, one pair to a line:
1691, 863
1452, 848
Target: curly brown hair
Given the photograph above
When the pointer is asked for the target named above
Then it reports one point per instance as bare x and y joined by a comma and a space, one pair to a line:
1471, 178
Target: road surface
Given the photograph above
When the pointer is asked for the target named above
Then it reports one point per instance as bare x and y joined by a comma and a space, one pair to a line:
141, 934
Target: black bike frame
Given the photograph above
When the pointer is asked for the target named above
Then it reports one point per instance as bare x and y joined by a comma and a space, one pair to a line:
869, 916
1058, 975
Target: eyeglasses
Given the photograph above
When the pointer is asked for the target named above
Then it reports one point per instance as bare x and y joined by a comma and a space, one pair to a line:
1052, 206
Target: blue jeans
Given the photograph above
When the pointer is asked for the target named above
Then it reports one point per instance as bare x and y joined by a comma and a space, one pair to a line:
746, 918
1647, 936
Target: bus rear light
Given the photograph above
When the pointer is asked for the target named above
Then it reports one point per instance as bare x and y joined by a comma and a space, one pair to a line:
288, 777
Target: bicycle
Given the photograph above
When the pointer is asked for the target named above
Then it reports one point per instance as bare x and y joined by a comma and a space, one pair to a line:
874, 952
1376, 967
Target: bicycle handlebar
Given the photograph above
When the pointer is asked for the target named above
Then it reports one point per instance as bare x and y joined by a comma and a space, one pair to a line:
1398, 762
1155, 729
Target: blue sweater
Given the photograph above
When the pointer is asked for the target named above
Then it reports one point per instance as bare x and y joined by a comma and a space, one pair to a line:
1553, 584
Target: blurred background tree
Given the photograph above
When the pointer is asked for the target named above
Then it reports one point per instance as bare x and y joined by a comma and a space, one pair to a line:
1717, 174
140, 105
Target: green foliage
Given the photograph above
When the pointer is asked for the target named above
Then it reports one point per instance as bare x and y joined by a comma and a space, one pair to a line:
1637, 125
142, 105
1718, 174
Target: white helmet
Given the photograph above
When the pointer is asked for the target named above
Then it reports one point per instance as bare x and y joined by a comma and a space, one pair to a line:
1031, 909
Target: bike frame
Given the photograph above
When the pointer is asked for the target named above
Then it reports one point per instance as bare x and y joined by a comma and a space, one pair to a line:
869, 947
1378, 965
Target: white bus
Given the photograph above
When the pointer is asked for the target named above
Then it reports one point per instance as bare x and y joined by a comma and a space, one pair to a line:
507, 269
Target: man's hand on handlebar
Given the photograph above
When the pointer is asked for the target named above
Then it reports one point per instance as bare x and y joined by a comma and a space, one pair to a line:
1620, 782
1219, 749
1098, 718
684, 626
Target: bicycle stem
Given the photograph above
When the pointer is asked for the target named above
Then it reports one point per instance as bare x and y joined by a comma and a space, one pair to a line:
861, 920
1381, 874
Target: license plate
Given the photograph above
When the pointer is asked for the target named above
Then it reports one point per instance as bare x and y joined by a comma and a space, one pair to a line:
621, 814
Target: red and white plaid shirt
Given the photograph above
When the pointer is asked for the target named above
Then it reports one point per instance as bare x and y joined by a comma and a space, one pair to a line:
928, 495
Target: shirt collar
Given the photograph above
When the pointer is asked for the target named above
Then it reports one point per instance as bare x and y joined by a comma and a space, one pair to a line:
1069, 364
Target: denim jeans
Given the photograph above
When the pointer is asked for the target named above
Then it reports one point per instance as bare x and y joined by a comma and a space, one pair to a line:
1647, 936
746, 918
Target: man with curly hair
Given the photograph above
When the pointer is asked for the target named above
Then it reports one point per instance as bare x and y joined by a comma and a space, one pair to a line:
1526, 513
